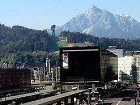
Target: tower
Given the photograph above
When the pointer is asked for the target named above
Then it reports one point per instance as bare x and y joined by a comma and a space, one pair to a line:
53, 30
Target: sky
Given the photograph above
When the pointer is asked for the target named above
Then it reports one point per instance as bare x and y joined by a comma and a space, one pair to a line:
41, 14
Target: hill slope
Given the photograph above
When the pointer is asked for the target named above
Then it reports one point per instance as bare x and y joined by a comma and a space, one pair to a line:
21, 39
77, 37
20, 44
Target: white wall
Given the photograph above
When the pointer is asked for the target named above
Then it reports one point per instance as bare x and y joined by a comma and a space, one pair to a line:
125, 65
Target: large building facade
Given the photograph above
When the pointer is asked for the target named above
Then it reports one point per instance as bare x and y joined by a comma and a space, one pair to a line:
14, 78
124, 64
116, 51
125, 68
129, 68
87, 64
136, 66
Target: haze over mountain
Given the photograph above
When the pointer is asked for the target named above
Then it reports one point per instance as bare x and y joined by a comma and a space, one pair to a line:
102, 23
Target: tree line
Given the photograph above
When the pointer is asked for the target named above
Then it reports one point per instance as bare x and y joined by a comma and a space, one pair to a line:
104, 42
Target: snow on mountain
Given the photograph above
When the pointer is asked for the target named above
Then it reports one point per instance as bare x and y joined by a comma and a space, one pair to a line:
102, 23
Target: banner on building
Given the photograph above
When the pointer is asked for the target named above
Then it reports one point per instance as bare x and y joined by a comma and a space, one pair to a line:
65, 60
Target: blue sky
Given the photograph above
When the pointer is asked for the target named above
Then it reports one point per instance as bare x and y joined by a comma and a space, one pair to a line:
41, 14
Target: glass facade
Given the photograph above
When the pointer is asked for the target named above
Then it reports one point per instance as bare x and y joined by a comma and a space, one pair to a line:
109, 66
88, 64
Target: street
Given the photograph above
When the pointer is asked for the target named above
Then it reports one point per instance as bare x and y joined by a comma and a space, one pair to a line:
117, 101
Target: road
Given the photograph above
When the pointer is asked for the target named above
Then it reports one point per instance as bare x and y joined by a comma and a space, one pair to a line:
46, 90
117, 101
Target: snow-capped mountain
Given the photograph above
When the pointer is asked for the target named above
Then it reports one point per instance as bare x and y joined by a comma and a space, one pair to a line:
102, 23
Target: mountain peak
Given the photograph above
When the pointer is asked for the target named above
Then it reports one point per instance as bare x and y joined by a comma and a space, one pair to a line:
92, 11
125, 15
103, 23
95, 8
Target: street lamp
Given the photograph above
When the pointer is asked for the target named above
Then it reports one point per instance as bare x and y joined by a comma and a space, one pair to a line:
5, 94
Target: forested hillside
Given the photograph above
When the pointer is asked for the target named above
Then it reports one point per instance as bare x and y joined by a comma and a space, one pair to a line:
22, 39
104, 42
22, 44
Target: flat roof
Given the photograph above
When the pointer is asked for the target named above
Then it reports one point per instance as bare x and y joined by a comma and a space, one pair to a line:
54, 99
25, 95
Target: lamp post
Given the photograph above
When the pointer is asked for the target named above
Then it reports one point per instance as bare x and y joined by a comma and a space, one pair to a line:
52, 71
5, 94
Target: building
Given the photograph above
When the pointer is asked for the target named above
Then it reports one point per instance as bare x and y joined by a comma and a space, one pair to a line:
136, 66
82, 64
86, 44
39, 74
116, 51
125, 68
14, 79
124, 63
62, 41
